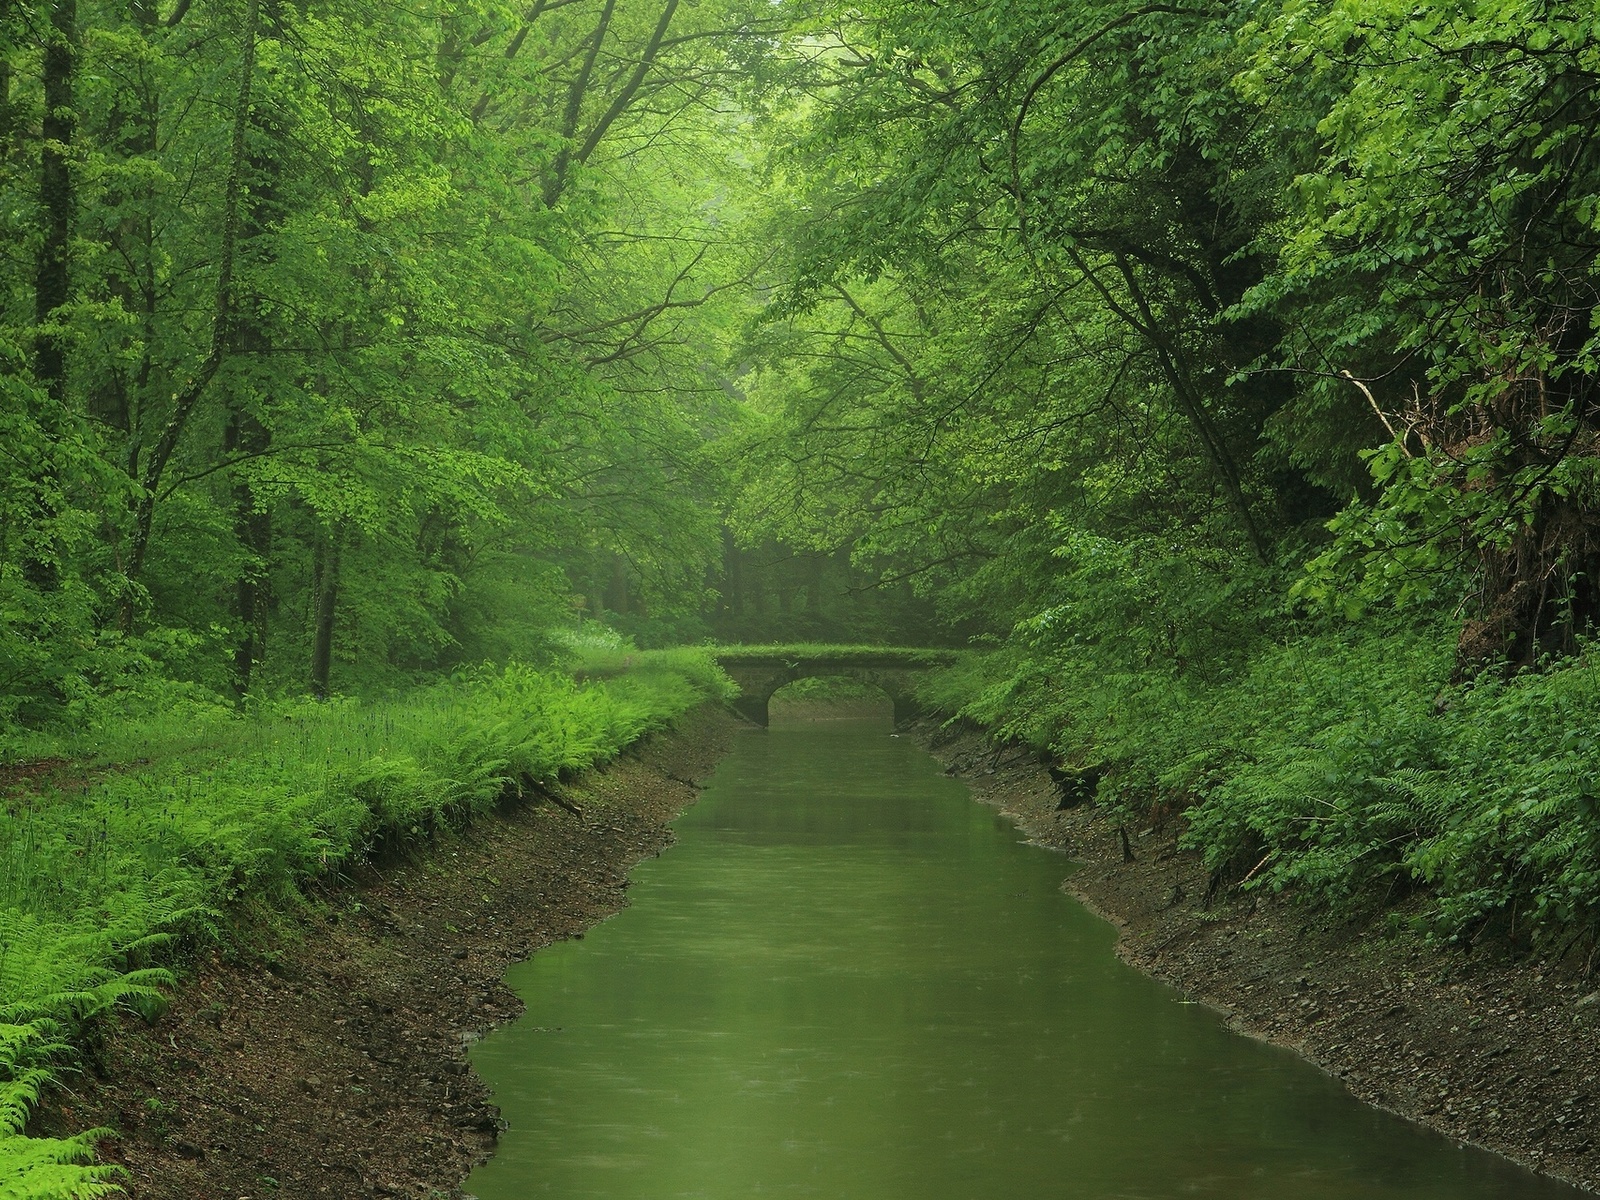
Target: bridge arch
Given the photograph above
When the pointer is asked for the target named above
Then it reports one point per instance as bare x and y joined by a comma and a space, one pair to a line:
761, 672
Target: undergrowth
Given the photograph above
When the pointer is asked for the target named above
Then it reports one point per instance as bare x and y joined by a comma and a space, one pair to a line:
181, 813
1338, 764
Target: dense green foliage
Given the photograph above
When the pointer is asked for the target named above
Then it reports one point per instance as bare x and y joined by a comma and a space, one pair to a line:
1224, 371
1343, 765
1171, 273
372, 340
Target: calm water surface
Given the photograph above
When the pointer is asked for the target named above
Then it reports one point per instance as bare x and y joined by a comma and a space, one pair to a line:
847, 980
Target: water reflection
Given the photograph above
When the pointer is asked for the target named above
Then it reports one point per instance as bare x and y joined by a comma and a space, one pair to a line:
849, 981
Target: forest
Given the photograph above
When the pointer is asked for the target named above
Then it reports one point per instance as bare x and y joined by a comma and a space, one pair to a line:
1221, 377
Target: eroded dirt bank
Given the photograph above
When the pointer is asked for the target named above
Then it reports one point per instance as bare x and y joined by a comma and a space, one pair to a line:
1502, 1054
331, 1061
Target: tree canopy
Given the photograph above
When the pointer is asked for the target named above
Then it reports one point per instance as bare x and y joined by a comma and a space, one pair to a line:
345, 345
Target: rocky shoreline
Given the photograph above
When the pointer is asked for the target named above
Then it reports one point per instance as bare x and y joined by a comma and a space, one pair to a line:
328, 1059
1500, 1053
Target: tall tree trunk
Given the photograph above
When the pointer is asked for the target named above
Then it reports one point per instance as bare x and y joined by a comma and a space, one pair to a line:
52, 277
55, 198
247, 437
617, 593
759, 576
118, 399
733, 579
252, 526
325, 589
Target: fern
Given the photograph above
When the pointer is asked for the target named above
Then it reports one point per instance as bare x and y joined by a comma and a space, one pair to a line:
1416, 802
55, 1168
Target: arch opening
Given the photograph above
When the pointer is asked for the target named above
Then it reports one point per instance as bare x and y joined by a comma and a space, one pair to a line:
830, 698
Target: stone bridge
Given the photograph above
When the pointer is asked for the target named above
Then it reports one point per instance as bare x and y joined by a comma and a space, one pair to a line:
761, 670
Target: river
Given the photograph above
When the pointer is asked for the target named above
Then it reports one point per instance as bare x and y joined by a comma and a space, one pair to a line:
848, 980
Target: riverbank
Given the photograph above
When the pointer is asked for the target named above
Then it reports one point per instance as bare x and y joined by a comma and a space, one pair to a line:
331, 1060
167, 824
1503, 1054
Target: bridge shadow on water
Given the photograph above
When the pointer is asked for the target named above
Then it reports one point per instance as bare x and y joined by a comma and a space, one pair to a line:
858, 704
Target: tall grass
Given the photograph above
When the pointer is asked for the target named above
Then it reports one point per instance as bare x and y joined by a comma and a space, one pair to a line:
176, 815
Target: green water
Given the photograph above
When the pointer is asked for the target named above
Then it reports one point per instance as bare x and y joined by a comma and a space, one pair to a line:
847, 980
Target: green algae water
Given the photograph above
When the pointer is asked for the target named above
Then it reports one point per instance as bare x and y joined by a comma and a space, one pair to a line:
848, 980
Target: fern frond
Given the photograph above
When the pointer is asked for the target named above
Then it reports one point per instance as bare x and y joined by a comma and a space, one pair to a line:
56, 1168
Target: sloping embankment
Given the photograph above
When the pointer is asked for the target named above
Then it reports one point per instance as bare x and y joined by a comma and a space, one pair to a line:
1503, 1054
332, 1061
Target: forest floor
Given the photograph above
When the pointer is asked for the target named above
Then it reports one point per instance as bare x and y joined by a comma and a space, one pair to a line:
328, 1057
1501, 1053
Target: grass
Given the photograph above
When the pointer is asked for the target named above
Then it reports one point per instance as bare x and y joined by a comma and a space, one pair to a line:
195, 814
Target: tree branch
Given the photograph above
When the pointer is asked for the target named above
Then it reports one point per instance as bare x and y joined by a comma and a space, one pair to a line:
222, 318
623, 98
1050, 73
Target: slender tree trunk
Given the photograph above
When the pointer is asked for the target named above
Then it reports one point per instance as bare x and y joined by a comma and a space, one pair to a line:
556, 181
52, 279
625, 95
450, 58
55, 197
733, 579
247, 437
1174, 367
325, 585
617, 593
762, 582
252, 526
119, 400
